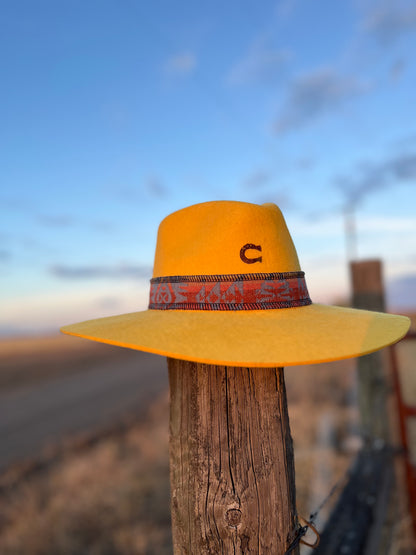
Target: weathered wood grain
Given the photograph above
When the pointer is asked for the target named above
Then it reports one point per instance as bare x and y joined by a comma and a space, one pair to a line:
231, 457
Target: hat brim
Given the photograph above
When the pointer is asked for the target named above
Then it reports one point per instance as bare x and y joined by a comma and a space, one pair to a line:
257, 338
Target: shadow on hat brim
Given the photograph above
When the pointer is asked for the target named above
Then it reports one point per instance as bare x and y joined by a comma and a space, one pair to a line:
258, 338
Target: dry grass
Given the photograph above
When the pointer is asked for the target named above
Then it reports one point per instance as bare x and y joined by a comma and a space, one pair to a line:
107, 499
323, 419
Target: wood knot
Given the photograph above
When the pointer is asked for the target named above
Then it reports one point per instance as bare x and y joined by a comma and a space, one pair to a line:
233, 517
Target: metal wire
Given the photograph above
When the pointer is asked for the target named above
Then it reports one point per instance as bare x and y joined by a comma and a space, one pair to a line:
301, 531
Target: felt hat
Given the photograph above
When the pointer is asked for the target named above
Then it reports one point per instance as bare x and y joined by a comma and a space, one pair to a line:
227, 288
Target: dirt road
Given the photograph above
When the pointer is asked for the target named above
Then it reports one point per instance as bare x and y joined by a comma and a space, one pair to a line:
83, 394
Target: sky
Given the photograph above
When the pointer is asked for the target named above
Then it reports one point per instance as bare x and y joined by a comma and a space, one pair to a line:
115, 113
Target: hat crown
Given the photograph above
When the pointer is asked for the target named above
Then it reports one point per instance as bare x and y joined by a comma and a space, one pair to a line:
224, 237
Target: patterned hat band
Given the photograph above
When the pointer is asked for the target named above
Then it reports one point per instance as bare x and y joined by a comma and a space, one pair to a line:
229, 292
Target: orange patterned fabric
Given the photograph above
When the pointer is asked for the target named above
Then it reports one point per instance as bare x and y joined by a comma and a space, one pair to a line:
229, 292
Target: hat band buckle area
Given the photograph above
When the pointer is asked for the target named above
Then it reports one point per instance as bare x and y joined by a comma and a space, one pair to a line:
257, 291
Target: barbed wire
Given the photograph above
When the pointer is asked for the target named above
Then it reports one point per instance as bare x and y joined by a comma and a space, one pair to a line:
301, 531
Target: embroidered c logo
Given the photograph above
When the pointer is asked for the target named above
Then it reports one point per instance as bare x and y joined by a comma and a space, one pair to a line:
246, 248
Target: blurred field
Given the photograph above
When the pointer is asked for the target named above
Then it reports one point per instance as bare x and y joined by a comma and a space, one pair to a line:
109, 493
104, 497
29, 360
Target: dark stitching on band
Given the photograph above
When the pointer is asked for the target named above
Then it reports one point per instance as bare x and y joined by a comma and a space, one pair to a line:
230, 307
227, 277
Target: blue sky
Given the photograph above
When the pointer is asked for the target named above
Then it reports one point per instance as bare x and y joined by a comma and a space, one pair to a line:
116, 113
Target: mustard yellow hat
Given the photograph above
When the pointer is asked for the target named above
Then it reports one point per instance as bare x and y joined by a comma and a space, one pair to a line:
227, 288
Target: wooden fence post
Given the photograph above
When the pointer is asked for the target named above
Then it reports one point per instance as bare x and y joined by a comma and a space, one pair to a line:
361, 521
373, 393
368, 294
231, 460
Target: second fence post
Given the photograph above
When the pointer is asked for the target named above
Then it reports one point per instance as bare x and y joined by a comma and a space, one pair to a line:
368, 294
231, 460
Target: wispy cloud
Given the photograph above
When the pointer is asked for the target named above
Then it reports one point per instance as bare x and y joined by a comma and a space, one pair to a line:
262, 64
388, 21
95, 271
56, 220
397, 69
151, 186
181, 64
408, 141
155, 187
373, 177
305, 163
285, 9
257, 179
5, 255
316, 94
126, 193
102, 225
64, 221
15, 203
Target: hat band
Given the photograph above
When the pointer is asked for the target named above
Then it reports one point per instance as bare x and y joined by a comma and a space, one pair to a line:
229, 292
